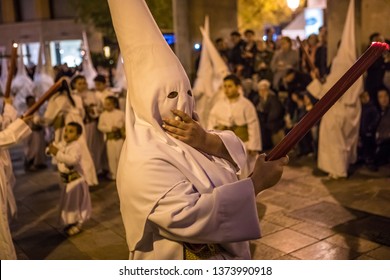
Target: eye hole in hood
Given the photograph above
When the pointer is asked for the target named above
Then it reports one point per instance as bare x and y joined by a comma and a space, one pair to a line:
173, 94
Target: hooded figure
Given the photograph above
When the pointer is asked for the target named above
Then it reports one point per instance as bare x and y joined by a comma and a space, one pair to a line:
42, 79
211, 71
22, 86
89, 71
120, 78
4, 72
174, 197
339, 127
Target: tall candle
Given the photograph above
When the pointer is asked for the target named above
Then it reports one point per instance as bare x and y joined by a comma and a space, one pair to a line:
323, 105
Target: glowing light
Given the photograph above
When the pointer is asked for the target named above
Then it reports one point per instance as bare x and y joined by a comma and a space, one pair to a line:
107, 51
197, 46
293, 4
15, 45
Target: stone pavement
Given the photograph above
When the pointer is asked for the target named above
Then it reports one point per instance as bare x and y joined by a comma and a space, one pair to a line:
304, 217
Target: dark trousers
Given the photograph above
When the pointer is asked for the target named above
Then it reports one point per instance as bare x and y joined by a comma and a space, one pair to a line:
366, 150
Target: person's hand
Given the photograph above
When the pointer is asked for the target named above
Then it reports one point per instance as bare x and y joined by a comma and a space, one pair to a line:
267, 173
314, 74
53, 149
27, 118
185, 129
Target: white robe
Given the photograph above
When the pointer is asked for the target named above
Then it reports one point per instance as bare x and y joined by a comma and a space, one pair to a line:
103, 94
339, 127
12, 134
107, 121
164, 204
34, 145
60, 104
338, 138
95, 139
75, 202
9, 115
169, 192
240, 112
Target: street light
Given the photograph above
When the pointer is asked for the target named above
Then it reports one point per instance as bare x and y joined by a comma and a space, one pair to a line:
293, 4
107, 52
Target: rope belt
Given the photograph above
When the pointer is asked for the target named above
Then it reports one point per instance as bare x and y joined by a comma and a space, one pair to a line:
240, 130
115, 135
69, 177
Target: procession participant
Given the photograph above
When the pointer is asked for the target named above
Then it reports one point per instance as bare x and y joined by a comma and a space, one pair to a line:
15, 132
75, 201
112, 124
237, 113
93, 108
177, 183
63, 108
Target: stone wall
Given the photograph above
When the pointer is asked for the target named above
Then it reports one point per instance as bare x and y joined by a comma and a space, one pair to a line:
189, 15
370, 16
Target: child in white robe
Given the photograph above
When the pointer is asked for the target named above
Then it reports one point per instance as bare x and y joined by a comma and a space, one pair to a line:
75, 203
112, 123
16, 131
93, 108
69, 108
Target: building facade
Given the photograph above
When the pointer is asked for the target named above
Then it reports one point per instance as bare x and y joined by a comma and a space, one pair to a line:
29, 22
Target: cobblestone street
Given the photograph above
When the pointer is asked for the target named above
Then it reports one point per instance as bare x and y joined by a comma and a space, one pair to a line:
304, 217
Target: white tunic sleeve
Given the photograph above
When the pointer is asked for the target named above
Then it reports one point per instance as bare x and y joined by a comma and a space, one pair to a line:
227, 214
9, 115
104, 124
69, 155
13, 133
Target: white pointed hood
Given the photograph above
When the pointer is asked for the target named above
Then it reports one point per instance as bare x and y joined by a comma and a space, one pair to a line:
120, 77
344, 59
152, 69
204, 75
212, 69
22, 86
42, 80
89, 71
4, 71
149, 156
220, 69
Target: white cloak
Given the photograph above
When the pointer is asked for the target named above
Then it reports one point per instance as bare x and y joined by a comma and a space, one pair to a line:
12, 134
75, 202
